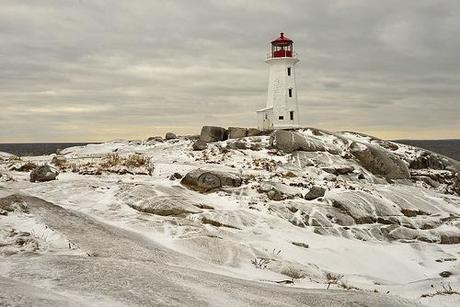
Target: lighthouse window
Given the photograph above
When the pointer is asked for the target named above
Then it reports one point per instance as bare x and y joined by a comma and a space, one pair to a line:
289, 71
291, 115
290, 92
281, 117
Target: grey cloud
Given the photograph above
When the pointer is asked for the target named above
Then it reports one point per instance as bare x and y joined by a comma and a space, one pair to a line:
92, 70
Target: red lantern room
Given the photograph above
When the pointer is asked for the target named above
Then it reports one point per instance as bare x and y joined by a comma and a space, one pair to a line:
282, 47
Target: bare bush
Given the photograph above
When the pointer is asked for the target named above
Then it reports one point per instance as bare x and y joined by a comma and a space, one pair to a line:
112, 159
294, 273
260, 262
333, 279
136, 160
446, 289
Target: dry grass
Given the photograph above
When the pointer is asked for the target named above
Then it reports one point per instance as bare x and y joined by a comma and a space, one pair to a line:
445, 290
111, 160
293, 273
136, 160
260, 262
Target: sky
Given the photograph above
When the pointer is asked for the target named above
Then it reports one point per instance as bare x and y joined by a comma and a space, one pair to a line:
95, 70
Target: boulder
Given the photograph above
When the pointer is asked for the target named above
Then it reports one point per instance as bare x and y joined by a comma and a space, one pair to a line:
145, 198
290, 141
175, 176
339, 170
457, 184
170, 136
363, 207
278, 191
237, 133
427, 159
211, 134
315, 192
15, 202
253, 132
22, 166
43, 173
4, 156
153, 139
379, 161
199, 145
205, 180
237, 145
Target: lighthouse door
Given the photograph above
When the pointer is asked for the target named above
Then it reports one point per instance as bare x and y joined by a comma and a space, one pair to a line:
268, 120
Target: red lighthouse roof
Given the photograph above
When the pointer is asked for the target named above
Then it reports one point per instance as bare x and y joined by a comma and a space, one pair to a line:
282, 47
282, 40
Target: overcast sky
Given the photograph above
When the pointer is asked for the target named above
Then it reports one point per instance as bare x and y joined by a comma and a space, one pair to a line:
92, 70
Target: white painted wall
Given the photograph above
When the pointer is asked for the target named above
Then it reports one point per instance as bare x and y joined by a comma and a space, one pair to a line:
278, 101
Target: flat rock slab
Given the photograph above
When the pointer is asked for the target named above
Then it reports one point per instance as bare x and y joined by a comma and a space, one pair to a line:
145, 199
206, 180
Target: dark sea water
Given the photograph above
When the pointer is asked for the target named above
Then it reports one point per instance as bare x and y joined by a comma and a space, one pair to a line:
35, 149
449, 148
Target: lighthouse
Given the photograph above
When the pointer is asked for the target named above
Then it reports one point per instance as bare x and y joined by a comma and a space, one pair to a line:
281, 110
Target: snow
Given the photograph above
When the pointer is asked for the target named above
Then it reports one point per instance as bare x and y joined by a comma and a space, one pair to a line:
106, 250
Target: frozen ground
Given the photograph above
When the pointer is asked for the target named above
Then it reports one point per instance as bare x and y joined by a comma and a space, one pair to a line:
116, 235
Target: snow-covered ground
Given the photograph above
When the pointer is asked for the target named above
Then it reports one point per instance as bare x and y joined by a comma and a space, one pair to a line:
121, 234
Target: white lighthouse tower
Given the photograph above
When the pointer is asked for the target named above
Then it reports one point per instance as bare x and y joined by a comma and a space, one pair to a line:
282, 109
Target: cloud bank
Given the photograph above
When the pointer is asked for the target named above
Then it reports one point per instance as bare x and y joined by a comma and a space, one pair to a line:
95, 70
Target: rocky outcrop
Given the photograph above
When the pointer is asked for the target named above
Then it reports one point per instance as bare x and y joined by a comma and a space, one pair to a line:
154, 139
457, 184
211, 134
170, 136
199, 145
175, 176
237, 145
427, 159
290, 141
22, 166
237, 133
254, 132
278, 191
315, 192
339, 169
145, 199
15, 202
43, 173
205, 180
380, 162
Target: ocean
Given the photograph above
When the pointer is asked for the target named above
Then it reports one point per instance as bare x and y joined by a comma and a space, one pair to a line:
449, 148
36, 149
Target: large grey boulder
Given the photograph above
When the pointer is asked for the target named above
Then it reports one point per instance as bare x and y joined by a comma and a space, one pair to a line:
199, 145
211, 134
145, 198
14, 202
278, 191
154, 139
205, 180
290, 141
238, 144
170, 136
363, 207
43, 173
380, 162
315, 192
457, 184
237, 133
430, 160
